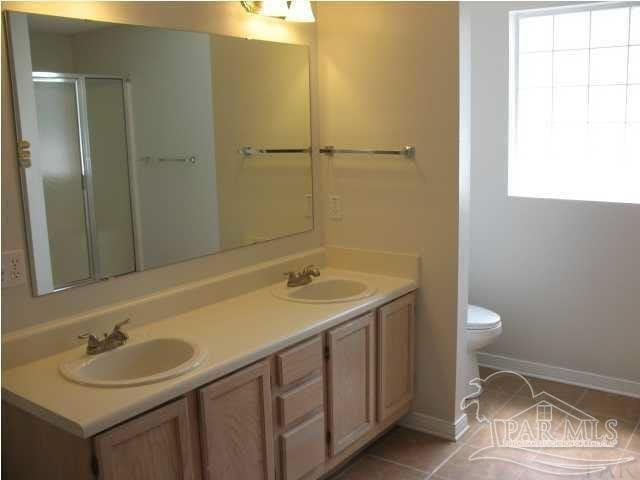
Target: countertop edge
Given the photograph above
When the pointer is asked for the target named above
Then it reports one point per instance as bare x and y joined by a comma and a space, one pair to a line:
43, 413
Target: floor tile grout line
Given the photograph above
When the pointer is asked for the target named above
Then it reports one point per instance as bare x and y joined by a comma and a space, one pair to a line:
443, 463
398, 464
508, 397
346, 469
581, 397
518, 390
576, 403
635, 429
633, 432
513, 395
602, 413
502, 405
527, 469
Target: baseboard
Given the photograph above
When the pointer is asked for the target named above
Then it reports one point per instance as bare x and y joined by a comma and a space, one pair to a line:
561, 374
436, 426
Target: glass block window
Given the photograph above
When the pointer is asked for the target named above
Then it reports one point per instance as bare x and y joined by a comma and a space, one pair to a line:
574, 103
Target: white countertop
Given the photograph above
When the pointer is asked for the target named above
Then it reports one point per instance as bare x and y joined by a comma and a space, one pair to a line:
236, 332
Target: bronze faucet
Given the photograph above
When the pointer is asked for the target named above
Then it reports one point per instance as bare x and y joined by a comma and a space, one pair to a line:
302, 278
113, 340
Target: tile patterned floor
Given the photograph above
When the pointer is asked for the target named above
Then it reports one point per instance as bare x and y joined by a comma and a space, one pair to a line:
404, 454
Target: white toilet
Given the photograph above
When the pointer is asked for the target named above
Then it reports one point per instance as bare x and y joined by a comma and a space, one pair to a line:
483, 327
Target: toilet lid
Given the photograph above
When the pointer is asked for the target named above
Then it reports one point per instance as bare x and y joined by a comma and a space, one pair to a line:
479, 318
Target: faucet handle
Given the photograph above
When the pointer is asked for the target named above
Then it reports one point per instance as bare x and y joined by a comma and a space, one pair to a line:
291, 278
122, 323
93, 340
311, 270
117, 329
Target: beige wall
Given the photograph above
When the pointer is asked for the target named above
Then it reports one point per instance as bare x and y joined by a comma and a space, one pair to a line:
19, 308
389, 77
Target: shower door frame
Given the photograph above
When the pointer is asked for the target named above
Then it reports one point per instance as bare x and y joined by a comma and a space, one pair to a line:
85, 169
79, 82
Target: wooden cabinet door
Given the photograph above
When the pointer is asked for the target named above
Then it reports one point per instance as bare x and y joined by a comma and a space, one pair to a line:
154, 446
350, 379
236, 426
396, 327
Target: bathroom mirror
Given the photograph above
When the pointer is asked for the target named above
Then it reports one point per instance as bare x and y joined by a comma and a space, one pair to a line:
140, 147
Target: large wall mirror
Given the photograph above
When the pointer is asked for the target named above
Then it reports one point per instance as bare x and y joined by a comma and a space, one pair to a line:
141, 147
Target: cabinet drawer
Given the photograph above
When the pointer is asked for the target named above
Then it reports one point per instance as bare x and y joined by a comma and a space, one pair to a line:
298, 362
300, 401
303, 448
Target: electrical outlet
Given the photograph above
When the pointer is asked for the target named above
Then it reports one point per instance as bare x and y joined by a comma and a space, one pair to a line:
335, 207
13, 268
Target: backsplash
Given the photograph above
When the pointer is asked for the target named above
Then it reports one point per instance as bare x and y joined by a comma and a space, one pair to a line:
55, 336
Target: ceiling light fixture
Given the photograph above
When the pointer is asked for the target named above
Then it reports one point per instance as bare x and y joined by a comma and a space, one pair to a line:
300, 11
274, 8
293, 11
267, 8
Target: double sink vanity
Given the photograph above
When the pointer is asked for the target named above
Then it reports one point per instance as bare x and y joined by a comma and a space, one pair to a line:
282, 382
152, 360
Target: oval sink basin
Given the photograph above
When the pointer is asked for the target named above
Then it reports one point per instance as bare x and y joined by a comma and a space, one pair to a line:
136, 363
325, 290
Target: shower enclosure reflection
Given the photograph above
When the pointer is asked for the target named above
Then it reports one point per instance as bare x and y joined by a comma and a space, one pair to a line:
137, 136
81, 125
